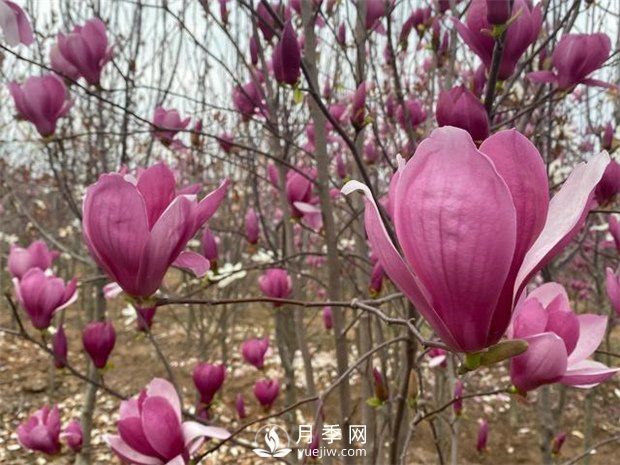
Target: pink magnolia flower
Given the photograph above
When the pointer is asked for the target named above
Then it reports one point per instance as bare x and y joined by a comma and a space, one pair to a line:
15, 24
209, 246
575, 57
460, 108
607, 141
380, 385
328, 317
60, 348
151, 430
252, 227
248, 99
438, 358
475, 226
254, 350
498, 11
416, 114
612, 285
72, 435
41, 296
208, 379
376, 279
558, 442
98, 339
266, 391
86, 49
41, 431
144, 317
286, 57
483, 435
358, 106
457, 406
560, 342
137, 228
36, 255
167, 123
240, 406
42, 101
298, 189
521, 33
276, 283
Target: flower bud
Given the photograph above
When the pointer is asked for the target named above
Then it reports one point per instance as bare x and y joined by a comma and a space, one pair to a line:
98, 339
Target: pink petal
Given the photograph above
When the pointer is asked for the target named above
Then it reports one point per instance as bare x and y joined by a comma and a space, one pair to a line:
163, 388
544, 362
456, 221
542, 77
548, 292
158, 188
530, 319
127, 454
193, 262
566, 325
161, 427
587, 374
208, 205
193, 430
394, 265
567, 211
591, 333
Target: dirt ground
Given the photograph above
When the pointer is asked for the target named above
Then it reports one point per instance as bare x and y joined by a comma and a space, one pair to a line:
27, 383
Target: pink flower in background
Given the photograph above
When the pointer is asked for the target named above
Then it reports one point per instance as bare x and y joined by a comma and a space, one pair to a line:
521, 33
457, 406
558, 442
226, 140
98, 339
137, 228
483, 435
240, 406
286, 57
36, 255
86, 49
208, 379
416, 115
209, 247
252, 227
151, 430
607, 141
41, 296
560, 342
574, 58
276, 283
144, 317
475, 226
266, 392
299, 189
609, 186
15, 24
376, 279
358, 107
72, 435
612, 285
42, 101
60, 348
41, 431
254, 350
167, 123
328, 317
438, 358
247, 99
460, 108
380, 385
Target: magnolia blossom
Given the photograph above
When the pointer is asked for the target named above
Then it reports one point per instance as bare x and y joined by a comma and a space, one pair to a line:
151, 430
460, 108
60, 347
167, 123
560, 342
86, 49
137, 228
474, 226
72, 435
42, 101
15, 25
36, 255
41, 296
98, 339
286, 58
276, 283
254, 350
574, 58
41, 432
521, 33
208, 379
266, 391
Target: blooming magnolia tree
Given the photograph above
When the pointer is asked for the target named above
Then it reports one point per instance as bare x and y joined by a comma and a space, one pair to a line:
192, 278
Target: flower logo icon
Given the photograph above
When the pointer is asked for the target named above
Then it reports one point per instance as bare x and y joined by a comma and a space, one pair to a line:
271, 438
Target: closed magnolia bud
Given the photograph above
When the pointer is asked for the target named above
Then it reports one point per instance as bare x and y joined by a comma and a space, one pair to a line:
457, 406
498, 11
460, 108
240, 406
208, 379
266, 392
252, 228
145, 318
59, 347
341, 36
558, 442
608, 137
253, 351
209, 247
381, 387
254, 46
99, 338
483, 434
358, 107
276, 283
286, 58
376, 279
328, 317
